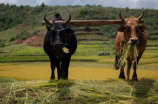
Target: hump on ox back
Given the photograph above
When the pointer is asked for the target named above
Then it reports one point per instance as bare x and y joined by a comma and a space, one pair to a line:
130, 43
59, 37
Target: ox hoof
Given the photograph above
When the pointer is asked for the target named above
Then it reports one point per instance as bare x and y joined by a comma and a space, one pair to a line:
134, 80
122, 77
52, 78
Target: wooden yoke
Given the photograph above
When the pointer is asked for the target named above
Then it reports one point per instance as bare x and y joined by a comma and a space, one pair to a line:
91, 22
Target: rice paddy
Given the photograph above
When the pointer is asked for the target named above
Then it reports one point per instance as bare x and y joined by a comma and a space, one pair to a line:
88, 71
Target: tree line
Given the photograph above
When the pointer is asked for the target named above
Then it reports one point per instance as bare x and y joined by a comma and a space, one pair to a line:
12, 15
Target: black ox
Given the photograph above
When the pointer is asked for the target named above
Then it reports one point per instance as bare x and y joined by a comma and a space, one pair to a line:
58, 36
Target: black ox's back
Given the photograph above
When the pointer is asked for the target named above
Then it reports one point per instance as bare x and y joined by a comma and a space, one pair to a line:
57, 37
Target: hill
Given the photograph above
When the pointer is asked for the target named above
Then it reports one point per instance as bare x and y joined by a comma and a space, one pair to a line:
18, 22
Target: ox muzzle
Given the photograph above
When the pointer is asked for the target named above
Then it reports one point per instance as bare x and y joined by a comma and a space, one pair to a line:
58, 45
133, 41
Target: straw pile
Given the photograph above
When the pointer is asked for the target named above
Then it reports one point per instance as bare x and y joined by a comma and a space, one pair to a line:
34, 92
109, 91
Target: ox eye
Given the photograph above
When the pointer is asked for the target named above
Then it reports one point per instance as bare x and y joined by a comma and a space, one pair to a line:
138, 28
127, 29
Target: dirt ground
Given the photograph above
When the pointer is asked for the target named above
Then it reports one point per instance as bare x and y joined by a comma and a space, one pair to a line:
34, 40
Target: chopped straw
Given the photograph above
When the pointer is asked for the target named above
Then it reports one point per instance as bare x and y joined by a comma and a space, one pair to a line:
124, 52
35, 91
66, 50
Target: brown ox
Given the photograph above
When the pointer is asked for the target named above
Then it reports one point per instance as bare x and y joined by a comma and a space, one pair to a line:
131, 32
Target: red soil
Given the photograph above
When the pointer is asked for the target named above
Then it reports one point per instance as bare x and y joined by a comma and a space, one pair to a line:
34, 40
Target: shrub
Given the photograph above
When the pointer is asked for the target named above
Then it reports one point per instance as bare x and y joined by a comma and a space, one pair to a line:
12, 39
103, 53
2, 44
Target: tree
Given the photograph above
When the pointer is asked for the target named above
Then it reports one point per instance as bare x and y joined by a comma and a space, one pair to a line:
42, 5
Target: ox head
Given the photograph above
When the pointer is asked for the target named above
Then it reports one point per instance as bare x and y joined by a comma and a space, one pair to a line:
57, 32
132, 28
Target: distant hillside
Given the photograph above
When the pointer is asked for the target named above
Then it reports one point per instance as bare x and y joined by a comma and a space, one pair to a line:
11, 16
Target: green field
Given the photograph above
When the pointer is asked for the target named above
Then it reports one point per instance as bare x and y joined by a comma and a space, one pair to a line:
86, 50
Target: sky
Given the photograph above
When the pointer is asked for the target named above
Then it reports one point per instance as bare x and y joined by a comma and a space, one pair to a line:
138, 4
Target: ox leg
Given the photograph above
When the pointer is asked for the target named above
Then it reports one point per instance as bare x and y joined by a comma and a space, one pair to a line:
134, 77
53, 65
64, 67
58, 69
122, 75
129, 64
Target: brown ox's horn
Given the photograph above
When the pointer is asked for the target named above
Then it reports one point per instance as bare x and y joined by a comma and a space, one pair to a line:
45, 19
141, 16
68, 20
120, 15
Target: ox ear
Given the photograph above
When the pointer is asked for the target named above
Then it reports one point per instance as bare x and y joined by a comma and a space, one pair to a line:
121, 28
69, 31
142, 28
48, 28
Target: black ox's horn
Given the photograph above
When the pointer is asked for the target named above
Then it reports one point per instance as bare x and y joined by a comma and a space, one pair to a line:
120, 15
141, 16
45, 19
68, 20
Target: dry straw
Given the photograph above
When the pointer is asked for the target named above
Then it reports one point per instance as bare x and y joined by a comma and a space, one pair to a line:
109, 91
35, 91
124, 53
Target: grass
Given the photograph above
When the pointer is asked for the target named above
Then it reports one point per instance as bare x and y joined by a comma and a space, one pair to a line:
7, 34
23, 50
88, 33
108, 42
31, 50
21, 53
92, 50
152, 43
153, 37
91, 37
8, 59
80, 92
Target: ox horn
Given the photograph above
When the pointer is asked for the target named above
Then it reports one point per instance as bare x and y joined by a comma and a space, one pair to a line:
120, 15
45, 19
68, 20
141, 16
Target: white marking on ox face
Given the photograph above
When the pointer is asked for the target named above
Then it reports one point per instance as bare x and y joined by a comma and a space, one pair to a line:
128, 22
131, 23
